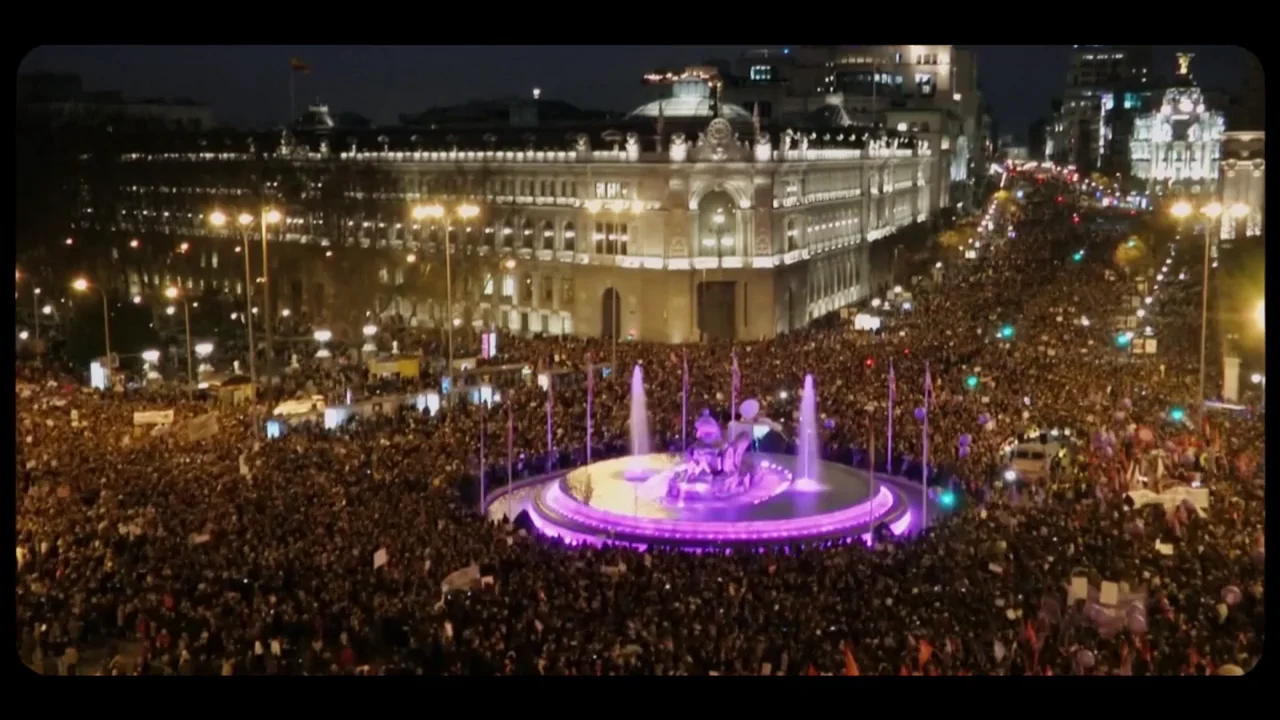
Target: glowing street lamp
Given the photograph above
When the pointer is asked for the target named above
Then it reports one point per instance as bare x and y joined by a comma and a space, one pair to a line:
322, 337
82, 285
436, 211
369, 331
217, 218
174, 293
204, 349
151, 356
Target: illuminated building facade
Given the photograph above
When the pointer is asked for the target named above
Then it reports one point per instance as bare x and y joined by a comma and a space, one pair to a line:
1243, 184
1107, 88
674, 225
1178, 147
930, 91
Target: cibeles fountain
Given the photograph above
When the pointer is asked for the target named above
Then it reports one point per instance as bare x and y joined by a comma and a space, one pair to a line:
719, 491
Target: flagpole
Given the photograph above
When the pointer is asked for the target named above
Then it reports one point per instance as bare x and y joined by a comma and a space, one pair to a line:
483, 411
888, 462
733, 390
924, 468
684, 402
550, 409
591, 385
871, 473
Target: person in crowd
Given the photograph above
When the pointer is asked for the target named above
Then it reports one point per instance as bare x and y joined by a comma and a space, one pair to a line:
142, 552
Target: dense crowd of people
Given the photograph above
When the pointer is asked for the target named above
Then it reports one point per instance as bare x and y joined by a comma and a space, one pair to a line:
235, 554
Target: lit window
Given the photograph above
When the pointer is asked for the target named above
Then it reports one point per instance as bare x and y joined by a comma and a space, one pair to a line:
508, 285
488, 283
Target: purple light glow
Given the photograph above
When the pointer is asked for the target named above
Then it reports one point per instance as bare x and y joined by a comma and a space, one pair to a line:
554, 500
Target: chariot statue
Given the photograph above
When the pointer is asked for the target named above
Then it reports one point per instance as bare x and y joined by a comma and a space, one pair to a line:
713, 468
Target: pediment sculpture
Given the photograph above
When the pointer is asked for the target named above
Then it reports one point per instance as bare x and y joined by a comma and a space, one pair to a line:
718, 143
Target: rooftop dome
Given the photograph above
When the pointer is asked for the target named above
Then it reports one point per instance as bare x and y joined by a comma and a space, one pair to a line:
690, 98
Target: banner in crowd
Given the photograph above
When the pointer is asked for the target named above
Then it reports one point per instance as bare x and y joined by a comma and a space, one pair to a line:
153, 417
203, 427
465, 579
1173, 497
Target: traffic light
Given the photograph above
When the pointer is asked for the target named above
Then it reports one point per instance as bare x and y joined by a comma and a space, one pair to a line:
1006, 332
1176, 414
1122, 339
869, 362
971, 382
947, 499
1078, 256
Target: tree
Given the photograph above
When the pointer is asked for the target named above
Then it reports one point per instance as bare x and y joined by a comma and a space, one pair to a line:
1132, 253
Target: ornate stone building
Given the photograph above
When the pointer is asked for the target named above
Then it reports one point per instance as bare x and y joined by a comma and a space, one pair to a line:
680, 226
1244, 184
1178, 147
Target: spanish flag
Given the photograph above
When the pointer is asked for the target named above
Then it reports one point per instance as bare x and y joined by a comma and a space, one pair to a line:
298, 66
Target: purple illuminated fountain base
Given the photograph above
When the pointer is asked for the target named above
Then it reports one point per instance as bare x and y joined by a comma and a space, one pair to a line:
599, 503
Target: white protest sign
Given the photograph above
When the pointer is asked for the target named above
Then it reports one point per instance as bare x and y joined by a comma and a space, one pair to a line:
379, 558
1109, 593
153, 417
1079, 589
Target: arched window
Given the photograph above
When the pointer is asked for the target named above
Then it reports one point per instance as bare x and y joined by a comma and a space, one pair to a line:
526, 234
570, 238
508, 234
717, 225
548, 236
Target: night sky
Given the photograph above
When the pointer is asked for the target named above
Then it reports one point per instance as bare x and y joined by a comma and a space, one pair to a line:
248, 85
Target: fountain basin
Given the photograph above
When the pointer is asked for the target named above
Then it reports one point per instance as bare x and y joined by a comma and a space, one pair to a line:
838, 503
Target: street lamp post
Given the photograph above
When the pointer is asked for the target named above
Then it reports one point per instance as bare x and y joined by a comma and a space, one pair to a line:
466, 211
1211, 211
35, 305
82, 285
219, 219
173, 294
267, 216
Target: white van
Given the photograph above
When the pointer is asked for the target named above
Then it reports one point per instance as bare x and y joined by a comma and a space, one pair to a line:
1032, 460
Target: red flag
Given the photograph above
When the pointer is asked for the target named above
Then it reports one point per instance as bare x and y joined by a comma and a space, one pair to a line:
850, 665
811, 670
297, 65
926, 652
